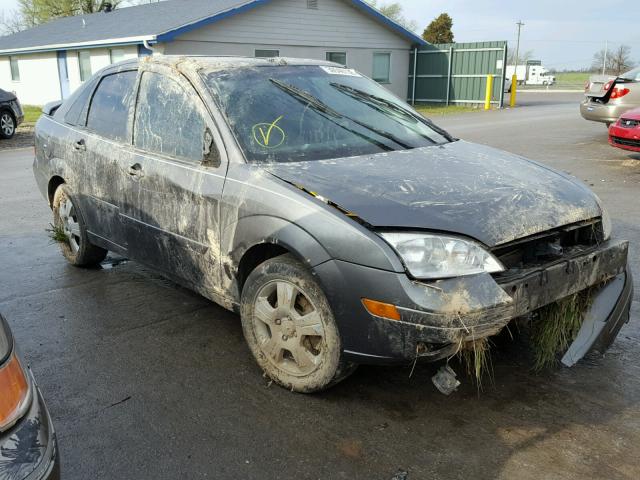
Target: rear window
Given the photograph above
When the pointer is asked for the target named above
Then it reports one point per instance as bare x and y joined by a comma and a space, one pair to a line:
109, 110
632, 74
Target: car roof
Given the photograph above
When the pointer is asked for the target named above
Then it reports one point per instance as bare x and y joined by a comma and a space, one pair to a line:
220, 62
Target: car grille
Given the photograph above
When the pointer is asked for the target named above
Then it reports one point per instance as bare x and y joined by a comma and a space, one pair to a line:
627, 123
628, 142
547, 247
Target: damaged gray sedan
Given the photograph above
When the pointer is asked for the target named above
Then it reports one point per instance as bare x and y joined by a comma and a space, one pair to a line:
341, 225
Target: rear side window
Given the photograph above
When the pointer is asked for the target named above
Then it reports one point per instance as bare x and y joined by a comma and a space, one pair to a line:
76, 114
167, 119
109, 109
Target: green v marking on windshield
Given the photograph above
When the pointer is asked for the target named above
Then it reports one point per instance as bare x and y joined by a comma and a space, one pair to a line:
265, 136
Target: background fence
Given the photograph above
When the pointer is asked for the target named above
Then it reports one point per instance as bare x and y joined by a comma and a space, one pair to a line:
457, 73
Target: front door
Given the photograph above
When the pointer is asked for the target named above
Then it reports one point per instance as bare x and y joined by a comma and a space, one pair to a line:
176, 181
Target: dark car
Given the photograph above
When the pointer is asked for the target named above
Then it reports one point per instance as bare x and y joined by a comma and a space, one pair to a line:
11, 114
344, 227
28, 448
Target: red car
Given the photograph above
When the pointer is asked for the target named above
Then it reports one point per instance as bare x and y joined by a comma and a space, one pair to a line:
625, 133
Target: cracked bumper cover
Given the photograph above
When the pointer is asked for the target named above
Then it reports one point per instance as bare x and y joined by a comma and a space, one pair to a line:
436, 317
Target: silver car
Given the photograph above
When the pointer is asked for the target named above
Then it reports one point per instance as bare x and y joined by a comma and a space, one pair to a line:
608, 97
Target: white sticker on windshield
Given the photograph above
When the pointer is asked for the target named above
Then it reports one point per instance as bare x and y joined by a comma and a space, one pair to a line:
341, 71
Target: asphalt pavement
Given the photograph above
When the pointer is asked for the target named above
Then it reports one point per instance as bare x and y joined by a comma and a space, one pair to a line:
147, 380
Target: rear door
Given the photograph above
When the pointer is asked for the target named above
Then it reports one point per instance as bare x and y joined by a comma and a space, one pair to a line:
105, 145
176, 179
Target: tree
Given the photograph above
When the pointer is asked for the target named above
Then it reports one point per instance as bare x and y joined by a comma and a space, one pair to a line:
523, 57
439, 31
394, 12
36, 12
618, 60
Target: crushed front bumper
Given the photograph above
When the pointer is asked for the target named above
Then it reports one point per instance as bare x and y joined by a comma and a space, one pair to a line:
437, 317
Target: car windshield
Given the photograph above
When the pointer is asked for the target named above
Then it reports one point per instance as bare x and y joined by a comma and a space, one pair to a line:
632, 74
297, 113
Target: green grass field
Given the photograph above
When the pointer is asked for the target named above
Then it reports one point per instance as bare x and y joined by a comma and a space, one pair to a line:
31, 113
572, 79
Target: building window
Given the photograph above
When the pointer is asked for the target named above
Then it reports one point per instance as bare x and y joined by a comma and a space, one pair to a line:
15, 69
84, 62
116, 55
337, 57
381, 67
267, 53
312, 4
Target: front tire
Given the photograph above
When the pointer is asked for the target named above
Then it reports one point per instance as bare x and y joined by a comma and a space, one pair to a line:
71, 233
289, 327
7, 125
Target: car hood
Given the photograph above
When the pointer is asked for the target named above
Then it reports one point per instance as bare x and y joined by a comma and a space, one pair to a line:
464, 188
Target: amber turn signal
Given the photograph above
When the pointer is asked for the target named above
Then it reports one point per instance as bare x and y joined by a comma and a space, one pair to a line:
14, 391
379, 309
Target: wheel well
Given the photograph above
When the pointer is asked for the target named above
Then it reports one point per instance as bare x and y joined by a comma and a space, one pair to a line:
54, 183
254, 257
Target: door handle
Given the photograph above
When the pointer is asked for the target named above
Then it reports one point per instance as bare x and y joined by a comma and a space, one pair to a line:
80, 145
135, 170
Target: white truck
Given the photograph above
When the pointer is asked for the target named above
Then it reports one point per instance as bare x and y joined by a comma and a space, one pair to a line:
533, 73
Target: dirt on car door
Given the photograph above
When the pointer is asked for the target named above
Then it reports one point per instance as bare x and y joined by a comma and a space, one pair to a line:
176, 180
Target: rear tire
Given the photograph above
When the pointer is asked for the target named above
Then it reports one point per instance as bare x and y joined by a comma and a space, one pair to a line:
289, 327
70, 231
7, 125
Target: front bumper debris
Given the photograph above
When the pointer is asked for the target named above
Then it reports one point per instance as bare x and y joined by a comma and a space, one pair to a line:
436, 318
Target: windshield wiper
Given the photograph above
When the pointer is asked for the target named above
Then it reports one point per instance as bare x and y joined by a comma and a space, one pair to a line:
383, 102
318, 105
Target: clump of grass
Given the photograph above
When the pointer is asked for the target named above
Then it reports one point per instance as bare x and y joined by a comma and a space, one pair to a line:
557, 326
476, 357
56, 233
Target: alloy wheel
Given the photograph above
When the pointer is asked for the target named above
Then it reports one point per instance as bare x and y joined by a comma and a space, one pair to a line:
6, 124
288, 328
69, 223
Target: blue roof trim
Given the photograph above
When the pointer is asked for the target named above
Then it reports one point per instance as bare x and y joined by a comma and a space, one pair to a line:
172, 34
365, 7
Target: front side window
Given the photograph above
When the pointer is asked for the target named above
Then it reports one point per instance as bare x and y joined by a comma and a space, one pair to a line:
15, 69
109, 109
267, 53
116, 55
381, 67
337, 57
84, 62
297, 113
167, 119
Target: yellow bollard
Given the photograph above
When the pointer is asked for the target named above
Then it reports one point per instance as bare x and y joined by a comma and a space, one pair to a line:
489, 94
514, 87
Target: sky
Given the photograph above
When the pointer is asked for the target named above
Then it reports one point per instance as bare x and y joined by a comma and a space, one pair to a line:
563, 34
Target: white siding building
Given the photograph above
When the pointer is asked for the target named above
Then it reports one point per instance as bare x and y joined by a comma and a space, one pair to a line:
48, 62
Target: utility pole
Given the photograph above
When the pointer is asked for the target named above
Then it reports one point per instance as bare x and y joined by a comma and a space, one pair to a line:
520, 25
604, 57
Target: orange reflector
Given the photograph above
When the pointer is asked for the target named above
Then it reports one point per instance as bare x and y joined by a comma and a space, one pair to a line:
385, 310
14, 390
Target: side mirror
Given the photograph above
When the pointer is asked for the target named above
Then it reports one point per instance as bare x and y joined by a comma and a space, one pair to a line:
210, 153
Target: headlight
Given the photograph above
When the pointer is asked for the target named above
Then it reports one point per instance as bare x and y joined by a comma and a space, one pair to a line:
605, 219
429, 256
15, 386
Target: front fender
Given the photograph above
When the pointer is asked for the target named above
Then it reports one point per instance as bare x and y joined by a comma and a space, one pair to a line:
256, 229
